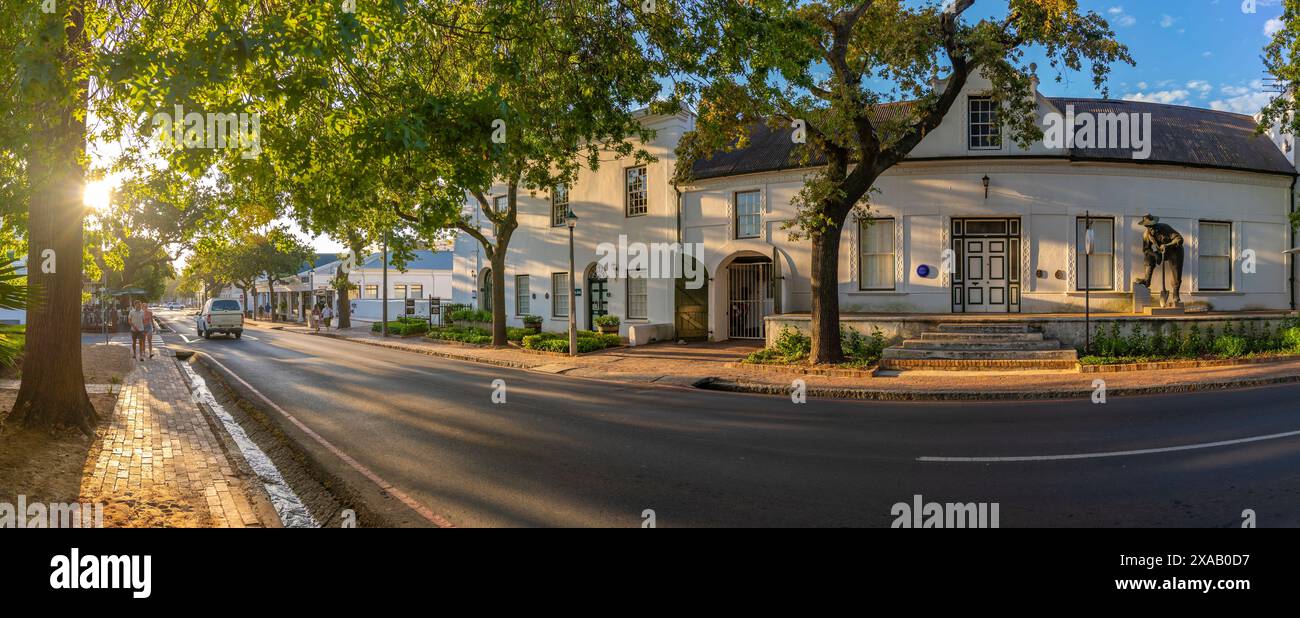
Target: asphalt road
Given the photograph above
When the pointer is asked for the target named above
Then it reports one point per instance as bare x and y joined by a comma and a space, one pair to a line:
572, 452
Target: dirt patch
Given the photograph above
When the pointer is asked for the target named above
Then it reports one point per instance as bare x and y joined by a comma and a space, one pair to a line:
106, 364
47, 466
44, 466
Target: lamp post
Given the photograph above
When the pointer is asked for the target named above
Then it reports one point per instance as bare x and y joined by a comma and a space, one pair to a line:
572, 221
1089, 242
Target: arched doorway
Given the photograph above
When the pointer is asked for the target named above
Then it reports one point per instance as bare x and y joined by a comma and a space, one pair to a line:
691, 299
597, 295
750, 296
485, 289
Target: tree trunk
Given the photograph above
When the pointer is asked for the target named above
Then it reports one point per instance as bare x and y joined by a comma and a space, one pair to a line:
53, 391
270, 293
344, 312
826, 346
498, 261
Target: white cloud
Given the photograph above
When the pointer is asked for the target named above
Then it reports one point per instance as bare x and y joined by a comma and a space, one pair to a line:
1120, 18
1243, 99
1167, 21
1201, 86
1273, 26
1172, 97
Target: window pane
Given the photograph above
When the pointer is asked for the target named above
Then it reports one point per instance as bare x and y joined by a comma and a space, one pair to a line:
637, 202
637, 302
1216, 239
1101, 264
876, 253
559, 204
417, 291
560, 295
522, 295
1215, 249
748, 214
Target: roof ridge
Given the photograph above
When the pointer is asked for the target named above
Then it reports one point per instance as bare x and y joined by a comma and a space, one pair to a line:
1192, 107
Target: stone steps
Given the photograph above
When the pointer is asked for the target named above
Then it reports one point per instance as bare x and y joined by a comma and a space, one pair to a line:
980, 346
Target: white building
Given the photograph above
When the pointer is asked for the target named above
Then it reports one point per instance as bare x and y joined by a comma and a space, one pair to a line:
427, 275
969, 223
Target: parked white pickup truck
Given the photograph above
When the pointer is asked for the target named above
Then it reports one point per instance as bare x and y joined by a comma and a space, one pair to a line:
221, 315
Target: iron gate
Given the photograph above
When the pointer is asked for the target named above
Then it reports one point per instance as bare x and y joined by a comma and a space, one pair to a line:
751, 300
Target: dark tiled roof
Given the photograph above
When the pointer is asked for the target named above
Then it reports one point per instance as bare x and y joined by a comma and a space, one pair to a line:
1181, 136
1190, 136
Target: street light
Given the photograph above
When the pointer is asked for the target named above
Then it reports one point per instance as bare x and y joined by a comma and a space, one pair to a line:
571, 220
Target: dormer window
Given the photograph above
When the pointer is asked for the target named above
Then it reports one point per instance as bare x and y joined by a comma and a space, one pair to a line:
984, 129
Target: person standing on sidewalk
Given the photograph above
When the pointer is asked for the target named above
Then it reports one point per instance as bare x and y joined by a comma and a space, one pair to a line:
135, 318
148, 327
327, 315
314, 319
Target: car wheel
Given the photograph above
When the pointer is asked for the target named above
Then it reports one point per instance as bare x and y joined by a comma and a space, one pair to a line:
207, 334
239, 335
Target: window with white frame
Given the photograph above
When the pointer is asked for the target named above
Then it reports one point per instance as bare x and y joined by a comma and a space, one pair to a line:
636, 191
983, 126
372, 291
876, 254
415, 291
1100, 266
559, 204
1214, 270
500, 202
522, 295
638, 297
749, 215
560, 295
399, 290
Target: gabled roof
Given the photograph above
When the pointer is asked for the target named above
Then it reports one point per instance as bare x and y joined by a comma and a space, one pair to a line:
1180, 136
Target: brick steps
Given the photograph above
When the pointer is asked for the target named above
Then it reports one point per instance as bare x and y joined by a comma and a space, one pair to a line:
980, 346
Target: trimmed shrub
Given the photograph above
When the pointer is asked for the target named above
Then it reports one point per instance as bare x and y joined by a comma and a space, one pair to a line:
1290, 339
1231, 346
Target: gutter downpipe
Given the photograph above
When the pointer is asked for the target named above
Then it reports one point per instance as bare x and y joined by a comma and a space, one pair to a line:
1291, 236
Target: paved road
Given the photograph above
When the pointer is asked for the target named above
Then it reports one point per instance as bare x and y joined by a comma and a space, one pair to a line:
573, 452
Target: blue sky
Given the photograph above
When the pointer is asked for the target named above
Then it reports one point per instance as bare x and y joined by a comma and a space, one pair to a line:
1202, 53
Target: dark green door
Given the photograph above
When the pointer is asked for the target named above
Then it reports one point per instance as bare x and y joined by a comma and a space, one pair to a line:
597, 300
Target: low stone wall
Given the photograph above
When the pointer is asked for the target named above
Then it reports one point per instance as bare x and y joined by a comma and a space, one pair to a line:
1069, 330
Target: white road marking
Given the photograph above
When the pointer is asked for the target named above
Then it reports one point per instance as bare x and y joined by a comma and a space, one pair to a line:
1145, 451
293, 513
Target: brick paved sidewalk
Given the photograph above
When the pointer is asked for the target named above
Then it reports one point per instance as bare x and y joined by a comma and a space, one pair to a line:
157, 462
684, 365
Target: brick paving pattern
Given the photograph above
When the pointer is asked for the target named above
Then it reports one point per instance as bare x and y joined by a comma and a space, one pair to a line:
158, 461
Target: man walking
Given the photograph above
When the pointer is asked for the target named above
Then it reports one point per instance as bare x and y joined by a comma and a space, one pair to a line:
327, 315
135, 317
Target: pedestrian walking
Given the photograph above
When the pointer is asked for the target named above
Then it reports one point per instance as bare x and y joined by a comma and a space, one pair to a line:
327, 315
135, 318
148, 327
314, 319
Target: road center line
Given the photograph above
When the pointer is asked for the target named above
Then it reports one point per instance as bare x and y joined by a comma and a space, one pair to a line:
1145, 451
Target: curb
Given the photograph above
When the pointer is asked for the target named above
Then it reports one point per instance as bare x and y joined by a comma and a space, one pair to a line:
862, 394
716, 384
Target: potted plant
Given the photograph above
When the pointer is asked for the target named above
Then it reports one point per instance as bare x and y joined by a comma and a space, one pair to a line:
533, 323
608, 324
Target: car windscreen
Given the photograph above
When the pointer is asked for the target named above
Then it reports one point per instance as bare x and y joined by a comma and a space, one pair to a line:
225, 305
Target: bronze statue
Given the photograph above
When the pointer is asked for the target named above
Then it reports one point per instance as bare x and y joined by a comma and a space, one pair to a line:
1160, 244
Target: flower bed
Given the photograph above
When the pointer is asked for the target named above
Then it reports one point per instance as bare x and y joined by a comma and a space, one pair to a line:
474, 335
1240, 341
792, 348
404, 327
588, 341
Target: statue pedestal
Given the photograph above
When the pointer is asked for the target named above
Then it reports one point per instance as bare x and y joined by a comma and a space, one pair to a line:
1141, 298
1179, 310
